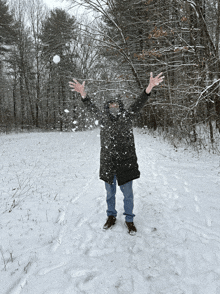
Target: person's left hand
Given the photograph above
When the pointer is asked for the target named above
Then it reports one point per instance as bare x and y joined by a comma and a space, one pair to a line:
155, 81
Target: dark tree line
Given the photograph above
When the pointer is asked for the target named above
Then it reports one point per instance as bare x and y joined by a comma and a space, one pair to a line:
129, 39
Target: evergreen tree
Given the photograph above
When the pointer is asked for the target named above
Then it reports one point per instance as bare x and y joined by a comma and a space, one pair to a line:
7, 36
58, 33
7, 32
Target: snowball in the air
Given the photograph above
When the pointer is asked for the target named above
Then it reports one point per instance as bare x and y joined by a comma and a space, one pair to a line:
96, 122
56, 59
66, 110
75, 122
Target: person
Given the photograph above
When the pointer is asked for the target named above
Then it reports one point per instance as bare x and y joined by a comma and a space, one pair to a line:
118, 159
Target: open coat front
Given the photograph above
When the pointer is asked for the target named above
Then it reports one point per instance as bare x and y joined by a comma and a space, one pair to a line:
118, 156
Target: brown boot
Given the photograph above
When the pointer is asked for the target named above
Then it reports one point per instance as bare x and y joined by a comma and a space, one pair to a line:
110, 222
131, 228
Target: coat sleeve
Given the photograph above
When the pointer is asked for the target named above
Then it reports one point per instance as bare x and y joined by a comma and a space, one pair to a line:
139, 103
91, 107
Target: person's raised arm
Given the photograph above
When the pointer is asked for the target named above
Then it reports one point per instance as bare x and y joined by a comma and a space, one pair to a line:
80, 88
139, 103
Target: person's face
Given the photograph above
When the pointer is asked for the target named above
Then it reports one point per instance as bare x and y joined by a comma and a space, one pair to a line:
114, 105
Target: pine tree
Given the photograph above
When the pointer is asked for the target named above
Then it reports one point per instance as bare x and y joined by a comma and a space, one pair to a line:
58, 32
7, 32
7, 35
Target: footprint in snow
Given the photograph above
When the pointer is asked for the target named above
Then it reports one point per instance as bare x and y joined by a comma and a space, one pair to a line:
84, 275
46, 270
81, 220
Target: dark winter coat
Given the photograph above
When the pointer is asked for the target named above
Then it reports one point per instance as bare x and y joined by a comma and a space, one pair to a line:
118, 155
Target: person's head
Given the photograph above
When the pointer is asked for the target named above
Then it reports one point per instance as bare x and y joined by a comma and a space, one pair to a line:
113, 108
113, 105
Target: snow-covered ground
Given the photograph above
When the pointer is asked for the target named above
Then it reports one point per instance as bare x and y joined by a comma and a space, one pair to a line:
53, 209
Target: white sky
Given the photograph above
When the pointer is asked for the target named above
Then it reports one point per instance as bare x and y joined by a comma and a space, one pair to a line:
65, 5
56, 3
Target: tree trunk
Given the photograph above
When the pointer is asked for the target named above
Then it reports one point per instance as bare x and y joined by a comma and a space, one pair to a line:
38, 97
22, 111
14, 100
217, 94
29, 98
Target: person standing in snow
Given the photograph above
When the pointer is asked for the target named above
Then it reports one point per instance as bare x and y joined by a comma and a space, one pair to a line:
118, 159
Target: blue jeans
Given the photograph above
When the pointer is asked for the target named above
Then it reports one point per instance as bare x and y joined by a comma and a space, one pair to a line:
128, 199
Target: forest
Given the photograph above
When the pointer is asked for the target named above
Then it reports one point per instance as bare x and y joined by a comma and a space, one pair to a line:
113, 48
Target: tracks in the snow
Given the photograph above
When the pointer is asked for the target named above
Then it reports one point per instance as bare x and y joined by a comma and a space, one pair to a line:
179, 201
174, 252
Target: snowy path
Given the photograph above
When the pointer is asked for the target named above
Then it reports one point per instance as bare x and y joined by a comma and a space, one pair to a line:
52, 240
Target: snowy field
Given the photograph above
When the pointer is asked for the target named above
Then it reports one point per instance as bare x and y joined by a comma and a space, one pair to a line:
53, 209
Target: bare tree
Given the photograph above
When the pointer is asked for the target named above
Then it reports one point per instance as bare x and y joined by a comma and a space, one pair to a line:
179, 38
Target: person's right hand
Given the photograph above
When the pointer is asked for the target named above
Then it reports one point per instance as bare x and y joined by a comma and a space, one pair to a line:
77, 87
